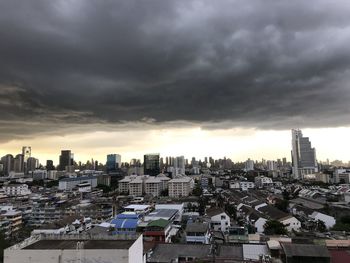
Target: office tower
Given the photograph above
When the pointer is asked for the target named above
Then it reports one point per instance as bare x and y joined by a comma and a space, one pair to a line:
284, 161
49, 165
179, 165
19, 163
271, 165
66, 160
303, 155
27, 152
8, 163
249, 165
32, 164
151, 164
114, 162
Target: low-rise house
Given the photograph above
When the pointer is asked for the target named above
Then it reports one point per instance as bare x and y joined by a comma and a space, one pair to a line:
158, 231
126, 223
305, 253
329, 221
197, 232
219, 220
272, 213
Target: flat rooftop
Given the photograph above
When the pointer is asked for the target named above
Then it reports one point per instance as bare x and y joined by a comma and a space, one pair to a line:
88, 244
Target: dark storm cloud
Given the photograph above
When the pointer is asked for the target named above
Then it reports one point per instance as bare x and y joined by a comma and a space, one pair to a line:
263, 64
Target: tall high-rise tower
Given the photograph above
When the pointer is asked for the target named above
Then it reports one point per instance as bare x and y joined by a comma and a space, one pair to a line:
27, 152
114, 161
151, 164
66, 160
303, 155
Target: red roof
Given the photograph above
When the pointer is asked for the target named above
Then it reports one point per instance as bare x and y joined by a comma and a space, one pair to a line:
340, 256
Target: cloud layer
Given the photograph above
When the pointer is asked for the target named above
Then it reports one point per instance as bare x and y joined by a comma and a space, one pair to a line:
110, 64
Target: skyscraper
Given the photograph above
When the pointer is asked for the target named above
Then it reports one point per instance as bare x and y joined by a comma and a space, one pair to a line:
27, 152
151, 164
66, 160
19, 163
303, 155
114, 161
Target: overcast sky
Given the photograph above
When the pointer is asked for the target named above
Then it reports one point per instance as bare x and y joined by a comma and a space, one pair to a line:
177, 77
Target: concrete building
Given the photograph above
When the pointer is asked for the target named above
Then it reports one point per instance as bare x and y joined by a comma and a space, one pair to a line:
13, 218
249, 165
71, 248
181, 186
303, 155
114, 161
69, 183
245, 185
151, 164
342, 176
198, 232
136, 186
16, 189
263, 181
153, 186
66, 160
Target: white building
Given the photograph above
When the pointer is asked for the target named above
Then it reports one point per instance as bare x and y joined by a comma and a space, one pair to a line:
342, 176
329, 221
153, 186
245, 185
181, 186
291, 223
136, 186
67, 249
219, 220
70, 183
263, 181
16, 189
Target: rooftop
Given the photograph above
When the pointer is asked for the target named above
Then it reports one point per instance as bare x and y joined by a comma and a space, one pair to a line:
88, 244
304, 250
78, 178
197, 227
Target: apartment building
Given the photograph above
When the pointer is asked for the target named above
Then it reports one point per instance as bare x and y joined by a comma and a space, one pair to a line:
16, 189
153, 186
181, 186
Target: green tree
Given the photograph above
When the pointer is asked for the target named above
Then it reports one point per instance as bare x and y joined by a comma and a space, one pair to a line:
231, 210
4, 243
105, 188
274, 227
282, 205
321, 226
197, 191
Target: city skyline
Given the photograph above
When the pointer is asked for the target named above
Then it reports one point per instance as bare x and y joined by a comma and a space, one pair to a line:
248, 148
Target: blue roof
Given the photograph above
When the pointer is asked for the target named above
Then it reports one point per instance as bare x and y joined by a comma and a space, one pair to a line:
125, 223
128, 216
